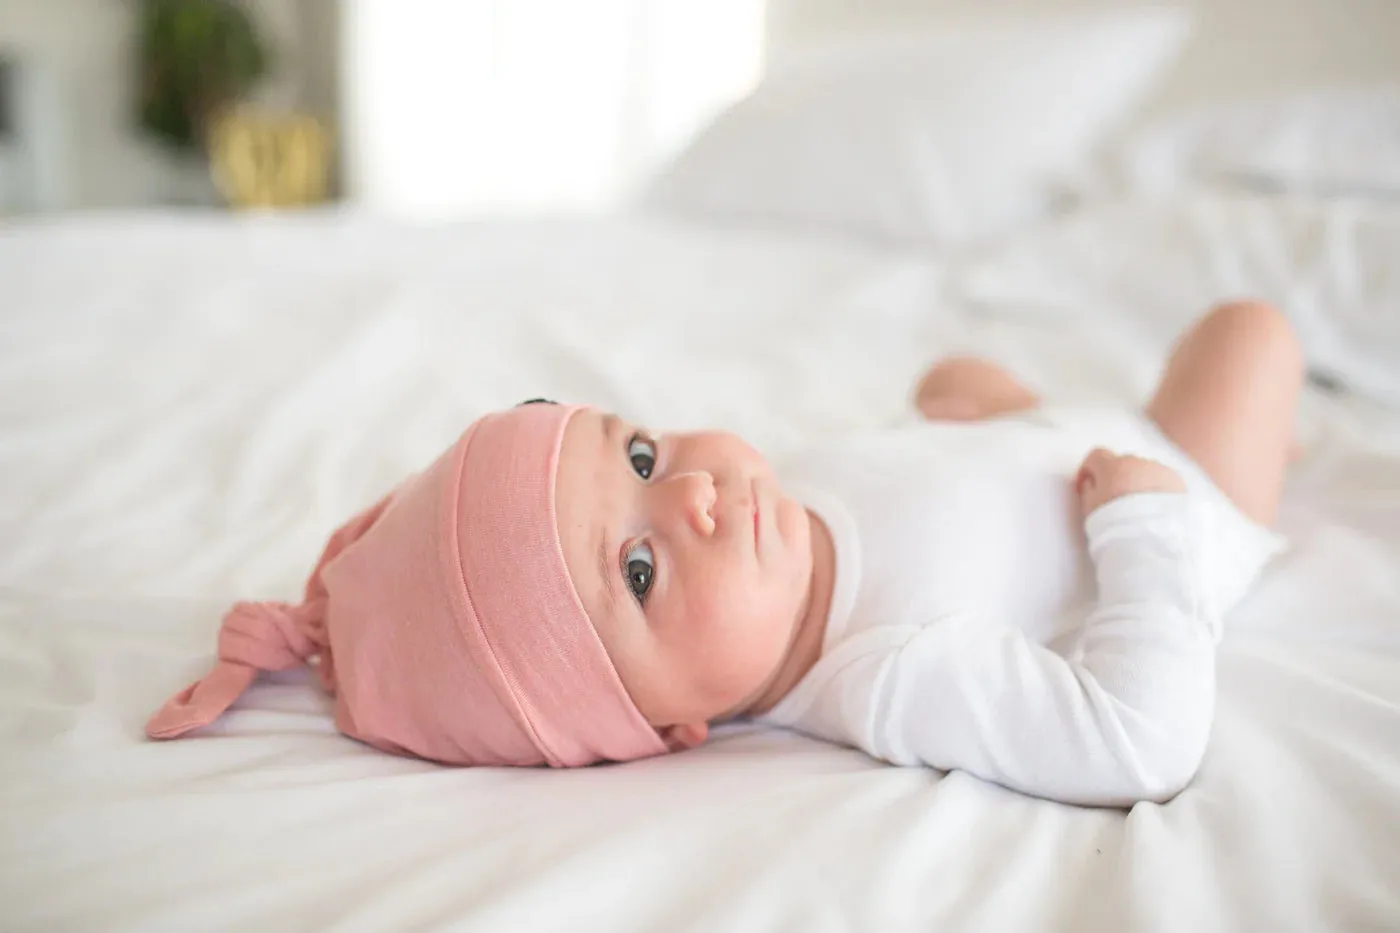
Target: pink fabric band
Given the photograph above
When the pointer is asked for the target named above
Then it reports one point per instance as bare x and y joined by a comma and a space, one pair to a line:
444, 620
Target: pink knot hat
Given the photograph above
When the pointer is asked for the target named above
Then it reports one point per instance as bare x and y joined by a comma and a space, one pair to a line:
444, 620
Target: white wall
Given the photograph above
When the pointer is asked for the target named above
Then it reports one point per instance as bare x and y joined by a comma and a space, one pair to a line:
501, 105
85, 49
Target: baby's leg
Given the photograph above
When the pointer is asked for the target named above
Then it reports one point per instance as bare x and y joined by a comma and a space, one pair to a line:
965, 388
1228, 398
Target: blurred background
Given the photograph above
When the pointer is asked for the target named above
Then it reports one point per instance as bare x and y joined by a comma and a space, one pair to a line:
440, 108
426, 107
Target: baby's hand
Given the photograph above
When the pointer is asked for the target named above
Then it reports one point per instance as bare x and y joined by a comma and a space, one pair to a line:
1105, 476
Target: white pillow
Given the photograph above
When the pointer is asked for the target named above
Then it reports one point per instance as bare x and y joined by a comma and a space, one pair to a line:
1338, 141
948, 134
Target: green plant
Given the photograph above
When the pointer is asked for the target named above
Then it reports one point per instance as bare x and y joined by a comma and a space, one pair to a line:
195, 58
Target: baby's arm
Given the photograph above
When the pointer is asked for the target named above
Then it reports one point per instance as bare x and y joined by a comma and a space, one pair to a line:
1124, 717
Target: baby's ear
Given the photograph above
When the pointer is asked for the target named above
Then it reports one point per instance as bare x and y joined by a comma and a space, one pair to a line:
687, 735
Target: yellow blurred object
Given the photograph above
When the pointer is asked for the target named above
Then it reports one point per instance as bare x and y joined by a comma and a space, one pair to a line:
264, 160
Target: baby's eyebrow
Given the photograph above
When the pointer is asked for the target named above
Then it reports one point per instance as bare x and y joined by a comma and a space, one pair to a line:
608, 571
612, 426
607, 568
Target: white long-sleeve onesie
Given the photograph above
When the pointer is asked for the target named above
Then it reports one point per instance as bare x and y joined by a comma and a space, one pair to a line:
977, 623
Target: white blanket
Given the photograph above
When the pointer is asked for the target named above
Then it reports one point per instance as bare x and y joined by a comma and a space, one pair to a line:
1151, 264
190, 405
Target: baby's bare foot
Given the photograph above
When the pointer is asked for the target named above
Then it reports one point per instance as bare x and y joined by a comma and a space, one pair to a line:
970, 389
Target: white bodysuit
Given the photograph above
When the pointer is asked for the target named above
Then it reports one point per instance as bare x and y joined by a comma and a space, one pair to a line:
978, 623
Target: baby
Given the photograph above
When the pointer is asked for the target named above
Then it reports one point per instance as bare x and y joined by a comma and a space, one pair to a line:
991, 590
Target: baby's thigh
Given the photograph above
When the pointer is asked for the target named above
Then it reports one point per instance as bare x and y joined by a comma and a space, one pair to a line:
1228, 399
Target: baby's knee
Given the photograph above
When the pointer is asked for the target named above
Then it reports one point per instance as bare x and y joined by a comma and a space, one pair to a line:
1265, 330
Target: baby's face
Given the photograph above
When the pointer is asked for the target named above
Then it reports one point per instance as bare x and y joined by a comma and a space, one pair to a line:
690, 561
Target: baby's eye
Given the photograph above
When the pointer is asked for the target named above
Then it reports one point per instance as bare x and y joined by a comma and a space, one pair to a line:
639, 567
642, 452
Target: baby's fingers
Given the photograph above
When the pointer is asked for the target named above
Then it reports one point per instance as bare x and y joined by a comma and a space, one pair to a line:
1094, 470
1142, 475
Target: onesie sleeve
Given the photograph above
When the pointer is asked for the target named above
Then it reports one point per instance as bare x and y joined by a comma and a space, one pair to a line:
1123, 717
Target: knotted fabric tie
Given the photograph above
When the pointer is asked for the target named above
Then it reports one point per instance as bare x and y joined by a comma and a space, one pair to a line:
254, 637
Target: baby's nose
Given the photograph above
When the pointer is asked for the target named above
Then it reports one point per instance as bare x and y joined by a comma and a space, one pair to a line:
694, 495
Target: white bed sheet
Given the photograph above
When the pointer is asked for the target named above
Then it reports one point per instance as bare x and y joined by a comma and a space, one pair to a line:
189, 405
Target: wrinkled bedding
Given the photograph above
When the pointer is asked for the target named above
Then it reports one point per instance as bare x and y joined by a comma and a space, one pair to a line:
190, 405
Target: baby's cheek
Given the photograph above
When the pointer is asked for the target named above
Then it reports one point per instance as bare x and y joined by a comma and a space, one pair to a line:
736, 675
749, 636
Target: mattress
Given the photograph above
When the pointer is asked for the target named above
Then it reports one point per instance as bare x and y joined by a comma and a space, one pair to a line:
190, 405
